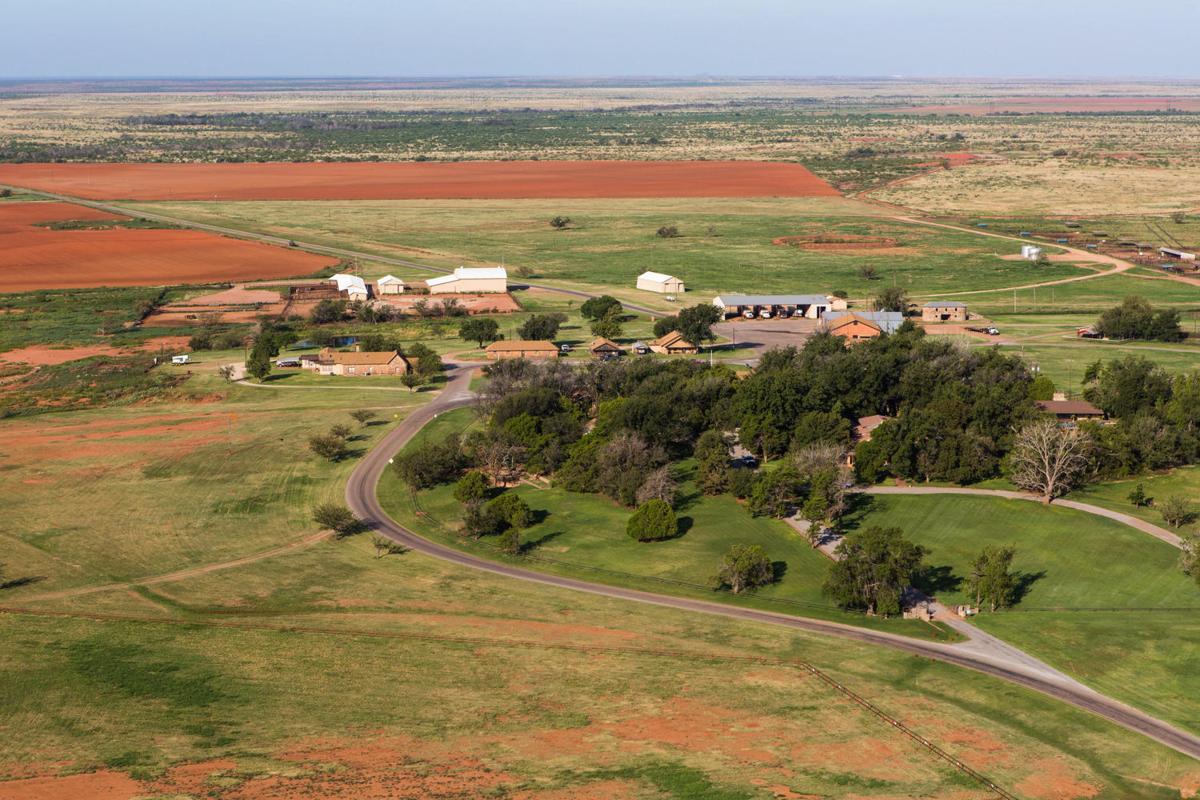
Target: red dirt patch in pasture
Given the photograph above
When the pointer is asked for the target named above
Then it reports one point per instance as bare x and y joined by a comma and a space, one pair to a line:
91, 785
473, 303
156, 435
417, 181
837, 242
34, 257
1051, 105
1051, 779
40, 355
233, 296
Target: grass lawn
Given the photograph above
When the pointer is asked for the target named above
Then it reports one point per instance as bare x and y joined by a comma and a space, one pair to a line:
1115, 494
1137, 648
584, 536
724, 245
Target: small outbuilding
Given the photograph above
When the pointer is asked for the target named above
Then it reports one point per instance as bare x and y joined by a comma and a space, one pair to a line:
944, 311
673, 344
605, 349
470, 280
1030, 252
531, 349
658, 282
1171, 252
389, 284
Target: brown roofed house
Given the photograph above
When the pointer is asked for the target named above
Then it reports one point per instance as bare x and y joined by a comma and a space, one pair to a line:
605, 349
532, 349
333, 362
1070, 411
673, 344
854, 328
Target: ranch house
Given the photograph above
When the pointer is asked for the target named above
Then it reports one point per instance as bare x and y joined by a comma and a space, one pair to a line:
531, 349
658, 282
673, 344
334, 362
944, 311
470, 280
605, 349
1069, 412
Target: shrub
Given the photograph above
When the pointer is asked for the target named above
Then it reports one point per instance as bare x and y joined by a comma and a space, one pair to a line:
1176, 510
745, 566
431, 463
329, 446
471, 488
558, 223
338, 519
667, 232
652, 522
512, 510
510, 541
741, 482
1138, 496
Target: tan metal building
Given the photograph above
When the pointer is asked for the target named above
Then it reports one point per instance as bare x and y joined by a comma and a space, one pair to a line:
531, 349
389, 284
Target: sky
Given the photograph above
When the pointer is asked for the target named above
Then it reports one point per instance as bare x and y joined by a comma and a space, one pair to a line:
572, 38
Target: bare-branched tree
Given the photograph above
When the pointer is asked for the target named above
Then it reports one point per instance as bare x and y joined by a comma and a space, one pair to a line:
1049, 459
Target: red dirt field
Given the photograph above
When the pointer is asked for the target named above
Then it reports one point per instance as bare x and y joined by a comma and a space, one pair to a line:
1059, 105
40, 355
34, 257
413, 181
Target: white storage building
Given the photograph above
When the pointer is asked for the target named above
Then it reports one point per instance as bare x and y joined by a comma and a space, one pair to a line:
468, 280
354, 286
389, 284
658, 282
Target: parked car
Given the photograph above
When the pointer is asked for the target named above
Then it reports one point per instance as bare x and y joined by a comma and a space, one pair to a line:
748, 314
765, 314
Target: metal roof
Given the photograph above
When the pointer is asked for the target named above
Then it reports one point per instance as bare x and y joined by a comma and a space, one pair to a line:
945, 304
726, 300
888, 321
657, 277
470, 273
347, 283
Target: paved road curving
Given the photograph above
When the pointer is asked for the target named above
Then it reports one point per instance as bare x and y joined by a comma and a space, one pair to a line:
361, 497
1133, 522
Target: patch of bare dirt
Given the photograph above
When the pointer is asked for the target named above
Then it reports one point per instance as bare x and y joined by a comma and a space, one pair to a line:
103, 785
1052, 779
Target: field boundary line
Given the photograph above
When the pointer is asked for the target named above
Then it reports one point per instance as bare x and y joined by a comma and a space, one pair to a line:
486, 641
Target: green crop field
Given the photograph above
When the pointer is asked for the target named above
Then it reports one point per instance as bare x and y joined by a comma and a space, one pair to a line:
723, 246
1145, 624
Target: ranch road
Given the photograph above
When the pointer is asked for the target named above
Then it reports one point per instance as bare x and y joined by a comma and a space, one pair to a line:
362, 500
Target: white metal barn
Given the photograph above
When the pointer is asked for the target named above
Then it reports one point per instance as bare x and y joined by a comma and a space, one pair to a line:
466, 280
658, 282
354, 286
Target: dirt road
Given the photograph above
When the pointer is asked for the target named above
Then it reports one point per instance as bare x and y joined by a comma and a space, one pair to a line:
361, 497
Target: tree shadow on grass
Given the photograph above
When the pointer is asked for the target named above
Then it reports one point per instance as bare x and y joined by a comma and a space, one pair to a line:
858, 506
686, 500
685, 525
1025, 582
778, 570
938, 579
24, 581
534, 544
538, 516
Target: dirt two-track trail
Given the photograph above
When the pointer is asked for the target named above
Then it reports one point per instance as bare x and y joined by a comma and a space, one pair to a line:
1006, 663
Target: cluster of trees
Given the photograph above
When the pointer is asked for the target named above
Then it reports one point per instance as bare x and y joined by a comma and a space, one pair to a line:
543, 327
694, 322
504, 516
1134, 318
606, 315
1157, 416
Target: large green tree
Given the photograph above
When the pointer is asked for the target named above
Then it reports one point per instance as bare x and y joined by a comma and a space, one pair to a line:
992, 579
873, 569
479, 329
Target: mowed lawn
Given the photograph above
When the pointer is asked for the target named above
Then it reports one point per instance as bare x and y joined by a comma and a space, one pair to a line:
1142, 643
583, 535
1184, 481
1068, 558
724, 245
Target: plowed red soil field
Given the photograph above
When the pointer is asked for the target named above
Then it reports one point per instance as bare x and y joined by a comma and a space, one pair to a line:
36, 257
459, 180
